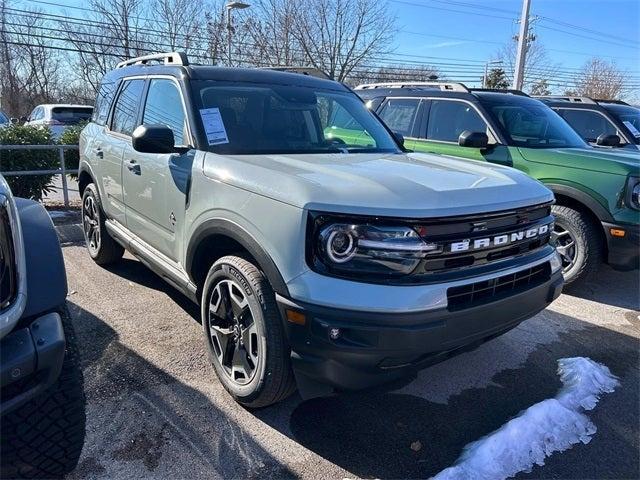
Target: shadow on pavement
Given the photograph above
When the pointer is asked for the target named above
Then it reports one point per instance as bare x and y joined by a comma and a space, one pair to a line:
141, 419
619, 289
396, 435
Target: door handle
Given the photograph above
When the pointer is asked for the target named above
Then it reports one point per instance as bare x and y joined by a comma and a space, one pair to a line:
134, 167
98, 152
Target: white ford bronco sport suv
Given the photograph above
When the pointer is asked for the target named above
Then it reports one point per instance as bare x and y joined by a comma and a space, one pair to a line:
322, 253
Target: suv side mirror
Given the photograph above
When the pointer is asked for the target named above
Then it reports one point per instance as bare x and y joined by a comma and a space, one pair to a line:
399, 138
153, 139
473, 139
605, 140
14, 121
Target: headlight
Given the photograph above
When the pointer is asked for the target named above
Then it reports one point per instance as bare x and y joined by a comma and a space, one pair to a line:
377, 249
632, 197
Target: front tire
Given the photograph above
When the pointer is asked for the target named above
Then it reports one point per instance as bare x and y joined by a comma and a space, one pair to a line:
44, 437
578, 242
244, 334
102, 247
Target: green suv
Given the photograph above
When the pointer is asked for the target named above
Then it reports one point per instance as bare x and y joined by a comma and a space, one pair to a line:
597, 192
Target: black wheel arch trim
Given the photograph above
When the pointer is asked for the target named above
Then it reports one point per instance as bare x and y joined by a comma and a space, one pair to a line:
235, 232
571, 192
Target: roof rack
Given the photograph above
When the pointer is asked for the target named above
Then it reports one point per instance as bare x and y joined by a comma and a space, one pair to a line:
454, 87
310, 71
501, 90
617, 102
567, 98
169, 58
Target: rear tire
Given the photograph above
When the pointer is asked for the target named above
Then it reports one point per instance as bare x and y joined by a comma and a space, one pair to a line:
579, 243
102, 247
244, 334
44, 437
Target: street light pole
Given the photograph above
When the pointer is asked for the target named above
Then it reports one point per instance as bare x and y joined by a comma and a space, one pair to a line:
231, 6
523, 40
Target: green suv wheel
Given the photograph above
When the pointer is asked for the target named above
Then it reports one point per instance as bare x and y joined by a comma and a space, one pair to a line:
244, 334
578, 242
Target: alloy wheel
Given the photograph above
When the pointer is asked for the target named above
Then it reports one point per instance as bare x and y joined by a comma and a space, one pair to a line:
91, 223
233, 331
565, 244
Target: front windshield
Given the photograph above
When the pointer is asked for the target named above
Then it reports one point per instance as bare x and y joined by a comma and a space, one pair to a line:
629, 116
272, 119
530, 123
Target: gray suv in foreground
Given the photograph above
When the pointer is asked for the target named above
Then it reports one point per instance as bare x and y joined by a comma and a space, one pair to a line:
322, 253
42, 403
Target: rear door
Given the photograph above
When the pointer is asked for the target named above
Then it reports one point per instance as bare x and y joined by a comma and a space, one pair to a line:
403, 115
155, 185
110, 148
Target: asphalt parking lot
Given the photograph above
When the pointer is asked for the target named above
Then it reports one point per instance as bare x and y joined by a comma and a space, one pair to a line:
155, 409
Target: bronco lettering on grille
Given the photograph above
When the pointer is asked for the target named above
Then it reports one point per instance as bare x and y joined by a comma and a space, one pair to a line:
499, 240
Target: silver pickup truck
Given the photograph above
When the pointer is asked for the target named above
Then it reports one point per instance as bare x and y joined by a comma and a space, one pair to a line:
321, 251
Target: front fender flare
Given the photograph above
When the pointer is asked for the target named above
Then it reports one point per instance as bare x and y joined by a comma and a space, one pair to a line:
584, 198
219, 226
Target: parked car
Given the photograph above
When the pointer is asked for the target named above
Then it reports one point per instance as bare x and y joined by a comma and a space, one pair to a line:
602, 123
59, 117
597, 192
42, 403
337, 263
4, 120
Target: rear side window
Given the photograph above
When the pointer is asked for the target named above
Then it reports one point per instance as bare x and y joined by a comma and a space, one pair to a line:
103, 103
400, 114
71, 115
448, 119
164, 107
125, 113
589, 125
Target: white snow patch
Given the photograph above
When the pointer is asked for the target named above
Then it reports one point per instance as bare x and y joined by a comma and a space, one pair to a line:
553, 425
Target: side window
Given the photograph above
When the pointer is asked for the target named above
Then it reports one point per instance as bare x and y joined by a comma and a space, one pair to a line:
125, 113
448, 119
37, 114
164, 106
400, 114
103, 103
589, 125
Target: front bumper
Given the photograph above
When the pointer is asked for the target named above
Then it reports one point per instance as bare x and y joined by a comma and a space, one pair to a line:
376, 347
30, 361
623, 252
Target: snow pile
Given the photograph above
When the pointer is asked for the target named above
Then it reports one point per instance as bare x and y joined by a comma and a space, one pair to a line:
553, 425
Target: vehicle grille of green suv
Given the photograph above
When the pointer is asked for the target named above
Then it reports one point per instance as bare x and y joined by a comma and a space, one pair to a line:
8, 276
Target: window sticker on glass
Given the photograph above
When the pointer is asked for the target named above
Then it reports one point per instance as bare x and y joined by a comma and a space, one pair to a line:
213, 126
634, 131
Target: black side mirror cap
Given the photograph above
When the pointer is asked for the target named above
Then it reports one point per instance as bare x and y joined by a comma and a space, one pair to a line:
14, 120
473, 139
605, 140
399, 138
153, 139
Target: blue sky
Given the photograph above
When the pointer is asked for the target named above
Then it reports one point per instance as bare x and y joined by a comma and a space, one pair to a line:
460, 35
472, 31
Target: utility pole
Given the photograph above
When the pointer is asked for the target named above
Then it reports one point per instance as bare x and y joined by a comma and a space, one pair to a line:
523, 41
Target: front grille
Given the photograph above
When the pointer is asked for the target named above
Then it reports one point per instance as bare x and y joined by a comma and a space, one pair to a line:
8, 277
480, 293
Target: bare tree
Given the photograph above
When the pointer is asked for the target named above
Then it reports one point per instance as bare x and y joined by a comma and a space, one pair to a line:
395, 73
541, 87
537, 64
600, 79
180, 24
338, 36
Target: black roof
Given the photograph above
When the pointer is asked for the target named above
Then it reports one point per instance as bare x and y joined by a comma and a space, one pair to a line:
230, 74
472, 94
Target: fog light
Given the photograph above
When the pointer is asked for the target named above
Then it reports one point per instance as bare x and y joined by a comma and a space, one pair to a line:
555, 262
334, 333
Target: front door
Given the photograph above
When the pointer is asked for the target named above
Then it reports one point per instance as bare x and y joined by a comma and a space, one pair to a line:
155, 185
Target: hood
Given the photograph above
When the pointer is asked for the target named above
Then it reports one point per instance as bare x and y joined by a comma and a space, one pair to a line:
618, 162
403, 185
